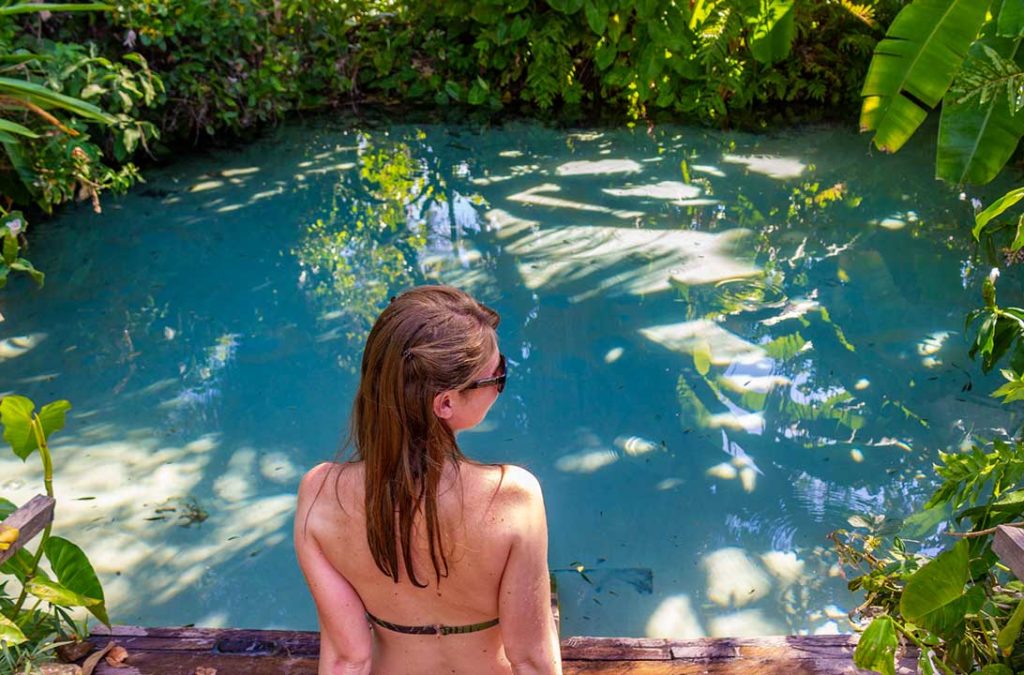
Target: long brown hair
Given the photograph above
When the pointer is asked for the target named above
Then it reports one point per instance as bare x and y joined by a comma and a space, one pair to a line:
430, 339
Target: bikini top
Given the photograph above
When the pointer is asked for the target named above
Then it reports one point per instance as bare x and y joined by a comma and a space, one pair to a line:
433, 629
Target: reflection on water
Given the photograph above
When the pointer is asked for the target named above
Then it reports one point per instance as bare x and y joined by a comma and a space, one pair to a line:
722, 348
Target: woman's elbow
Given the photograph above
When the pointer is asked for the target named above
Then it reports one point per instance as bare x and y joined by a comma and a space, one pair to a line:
536, 664
342, 664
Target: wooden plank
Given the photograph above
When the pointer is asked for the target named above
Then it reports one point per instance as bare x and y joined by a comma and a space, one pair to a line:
30, 519
179, 651
1009, 546
616, 649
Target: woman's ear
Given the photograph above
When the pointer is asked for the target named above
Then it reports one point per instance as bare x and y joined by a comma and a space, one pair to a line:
443, 405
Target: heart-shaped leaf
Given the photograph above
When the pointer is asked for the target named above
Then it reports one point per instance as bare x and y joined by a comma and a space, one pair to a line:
75, 573
51, 416
16, 417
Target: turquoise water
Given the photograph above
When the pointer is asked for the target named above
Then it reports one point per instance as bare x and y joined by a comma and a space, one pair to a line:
722, 347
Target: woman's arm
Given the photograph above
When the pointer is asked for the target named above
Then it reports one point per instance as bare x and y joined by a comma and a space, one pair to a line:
345, 642
524, 606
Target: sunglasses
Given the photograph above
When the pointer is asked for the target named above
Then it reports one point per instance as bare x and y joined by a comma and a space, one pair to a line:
496, 381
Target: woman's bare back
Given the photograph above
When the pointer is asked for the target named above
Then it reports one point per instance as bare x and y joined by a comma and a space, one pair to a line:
483, 516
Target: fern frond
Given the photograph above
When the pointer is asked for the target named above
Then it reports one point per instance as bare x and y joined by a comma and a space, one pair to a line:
864, 13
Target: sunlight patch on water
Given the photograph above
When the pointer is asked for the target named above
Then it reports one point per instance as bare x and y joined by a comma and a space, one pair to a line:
784, 566
675, 618
587, 461
534, 197
774, 167
613, 355
13, 347
708, 169
734, 579
206, 185
668, 190
246, 171
617, 260
136, 485
724, 347
745, 623
598, 168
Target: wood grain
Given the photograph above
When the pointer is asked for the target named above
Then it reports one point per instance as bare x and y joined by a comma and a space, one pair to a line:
30, 519
179, 651
1009, 546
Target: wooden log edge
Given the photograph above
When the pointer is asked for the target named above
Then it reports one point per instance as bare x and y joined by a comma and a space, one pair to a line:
30, 519
1009, 546
576, 648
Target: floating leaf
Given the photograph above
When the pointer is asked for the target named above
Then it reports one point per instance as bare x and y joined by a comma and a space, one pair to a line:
859, 521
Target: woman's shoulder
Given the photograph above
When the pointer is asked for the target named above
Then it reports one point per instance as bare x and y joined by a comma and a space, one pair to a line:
338, 474
508, 484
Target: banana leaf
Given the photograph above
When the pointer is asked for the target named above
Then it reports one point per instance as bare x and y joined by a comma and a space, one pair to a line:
914, 65
977, 136
772, 32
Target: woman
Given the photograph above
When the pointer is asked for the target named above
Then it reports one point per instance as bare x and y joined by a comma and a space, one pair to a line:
420, 560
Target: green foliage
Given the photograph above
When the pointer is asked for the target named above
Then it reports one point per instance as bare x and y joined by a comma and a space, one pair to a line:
915, 64
962, 610
26, 432
28, 633
233, 65
876, 649
966, 54
981, 121
1000, 329
46, 161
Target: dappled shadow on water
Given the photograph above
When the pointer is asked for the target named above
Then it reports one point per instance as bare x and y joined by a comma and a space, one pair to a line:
722, 347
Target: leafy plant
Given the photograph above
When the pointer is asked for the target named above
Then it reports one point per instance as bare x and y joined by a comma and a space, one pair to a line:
38, 616
961, 609
965, 54
46, 161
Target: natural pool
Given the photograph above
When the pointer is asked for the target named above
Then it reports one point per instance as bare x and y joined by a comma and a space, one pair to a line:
722, 346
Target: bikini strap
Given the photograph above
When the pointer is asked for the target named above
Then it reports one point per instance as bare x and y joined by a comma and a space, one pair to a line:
434, 629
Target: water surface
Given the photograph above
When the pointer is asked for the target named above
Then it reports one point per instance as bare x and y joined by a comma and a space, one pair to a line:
722, 347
